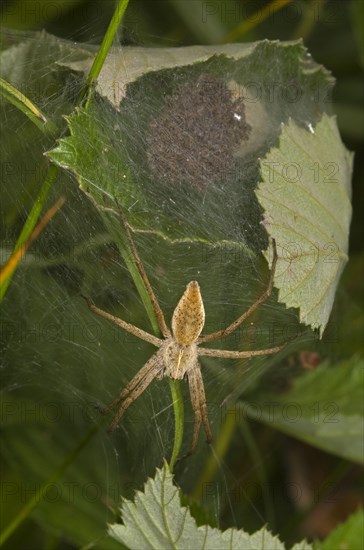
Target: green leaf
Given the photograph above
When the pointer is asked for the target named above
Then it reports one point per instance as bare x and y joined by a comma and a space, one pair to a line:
323, 408
347, 535
305, 192
156, 519
147, 137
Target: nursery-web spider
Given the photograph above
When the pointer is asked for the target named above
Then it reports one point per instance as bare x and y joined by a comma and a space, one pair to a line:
177, 356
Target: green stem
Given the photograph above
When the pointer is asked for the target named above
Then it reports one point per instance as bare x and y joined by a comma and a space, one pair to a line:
105, 45
177, 400
126, 254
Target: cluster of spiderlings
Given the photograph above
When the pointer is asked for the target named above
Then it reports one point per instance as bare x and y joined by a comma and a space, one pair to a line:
194, 137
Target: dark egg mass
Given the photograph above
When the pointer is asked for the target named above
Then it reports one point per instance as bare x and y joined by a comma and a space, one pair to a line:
193, 139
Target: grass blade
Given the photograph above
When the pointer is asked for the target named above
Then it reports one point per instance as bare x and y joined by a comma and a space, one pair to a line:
254, 20
19, 100
11, 264
30, 223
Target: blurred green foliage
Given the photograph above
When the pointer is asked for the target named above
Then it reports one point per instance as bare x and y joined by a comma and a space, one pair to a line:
332, 32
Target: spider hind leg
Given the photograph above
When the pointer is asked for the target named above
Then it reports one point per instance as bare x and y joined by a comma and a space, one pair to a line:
151, 370
198, 400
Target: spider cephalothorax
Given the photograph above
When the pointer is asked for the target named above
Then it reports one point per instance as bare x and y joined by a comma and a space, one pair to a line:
177, 356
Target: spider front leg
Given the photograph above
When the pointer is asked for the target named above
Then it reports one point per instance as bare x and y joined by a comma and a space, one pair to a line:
198, 400
142, 334
226, 331
140, 267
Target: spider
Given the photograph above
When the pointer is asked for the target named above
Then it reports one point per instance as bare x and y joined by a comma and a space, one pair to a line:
178, 351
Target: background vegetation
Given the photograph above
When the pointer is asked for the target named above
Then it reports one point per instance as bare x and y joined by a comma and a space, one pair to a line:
260, 466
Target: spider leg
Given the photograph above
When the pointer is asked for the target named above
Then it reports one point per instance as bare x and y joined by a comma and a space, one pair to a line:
142, 334
238, 354
228, 330
134, 382
198, 400
136, 387
139, 264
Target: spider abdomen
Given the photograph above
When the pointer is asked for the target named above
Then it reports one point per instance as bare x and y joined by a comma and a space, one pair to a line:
189, 316
179, 359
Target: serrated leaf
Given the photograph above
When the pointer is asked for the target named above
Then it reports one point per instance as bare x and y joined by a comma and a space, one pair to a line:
156, 519
323, 408
305, 192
